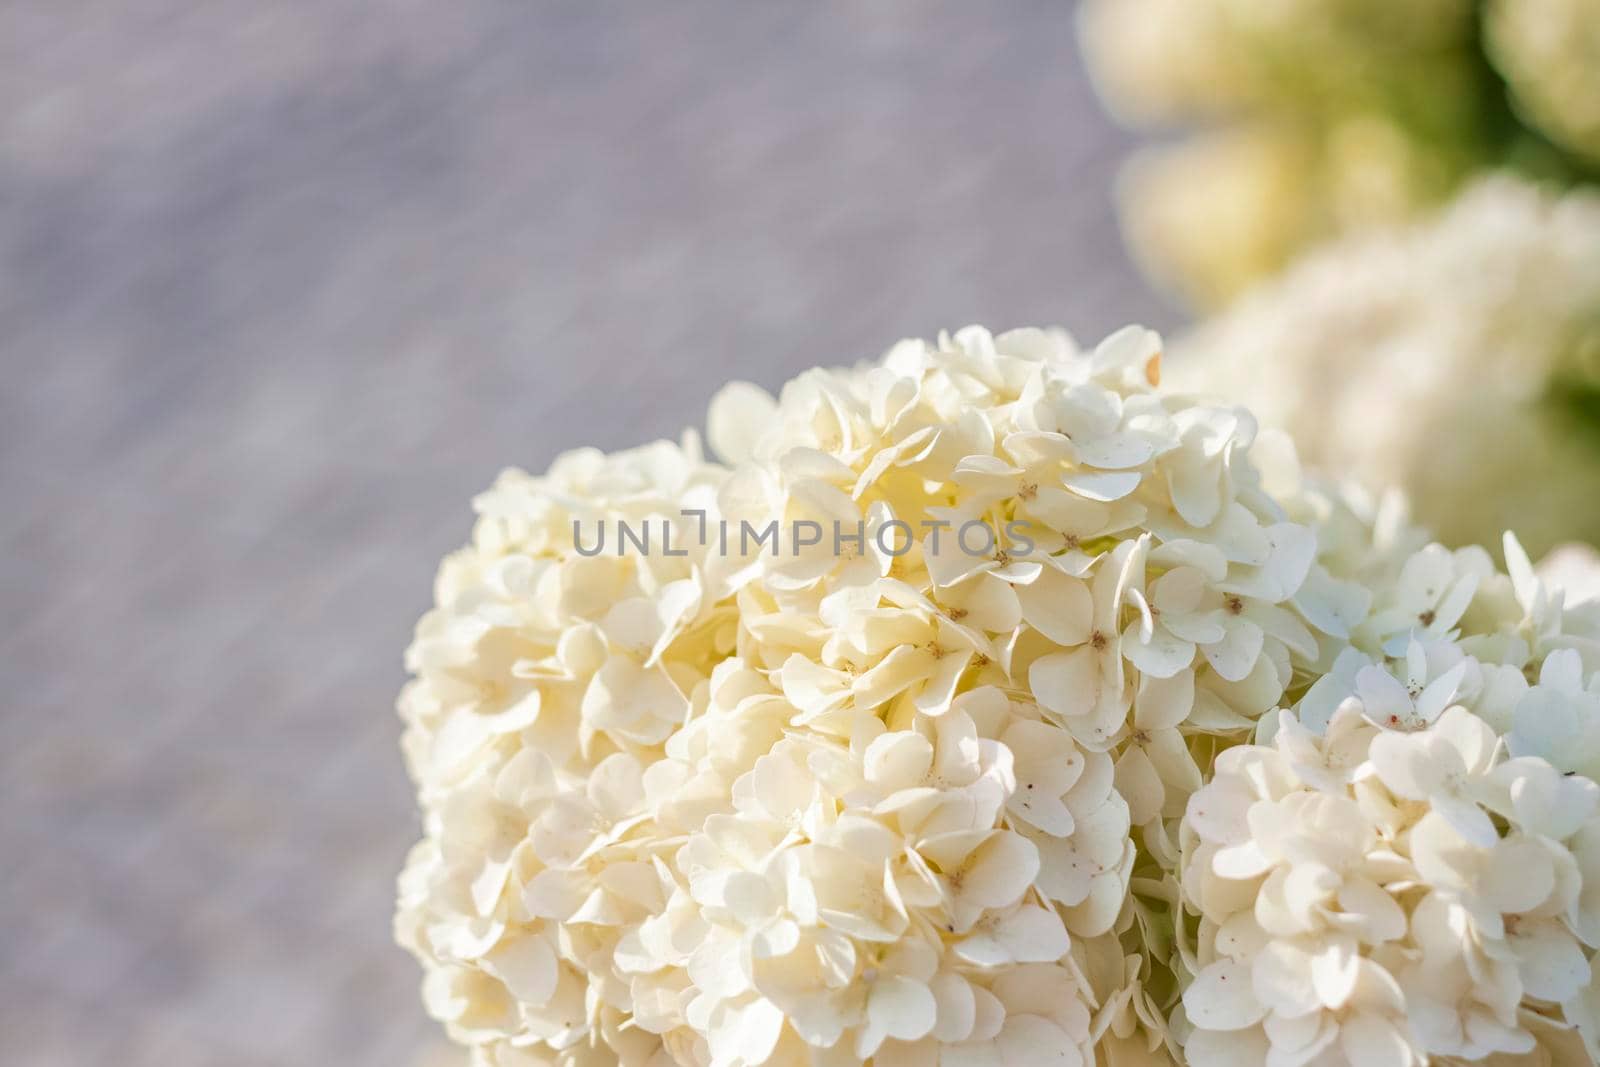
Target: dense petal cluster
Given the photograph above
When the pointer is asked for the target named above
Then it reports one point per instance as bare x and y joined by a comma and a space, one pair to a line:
1399, 357
990, 705
544, 681
1388, 897
1398, 871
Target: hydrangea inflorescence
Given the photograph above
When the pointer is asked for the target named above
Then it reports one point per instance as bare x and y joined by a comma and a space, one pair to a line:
1191, 759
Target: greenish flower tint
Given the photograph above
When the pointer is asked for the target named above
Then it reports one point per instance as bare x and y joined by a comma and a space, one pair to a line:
1368, 113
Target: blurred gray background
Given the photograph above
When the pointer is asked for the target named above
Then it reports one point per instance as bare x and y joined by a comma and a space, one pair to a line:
283, 284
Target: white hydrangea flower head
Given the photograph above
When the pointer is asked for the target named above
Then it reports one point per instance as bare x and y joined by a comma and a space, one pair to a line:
1089, 704
1396, 357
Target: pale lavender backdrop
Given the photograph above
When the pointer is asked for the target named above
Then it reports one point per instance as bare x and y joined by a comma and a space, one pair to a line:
282, 285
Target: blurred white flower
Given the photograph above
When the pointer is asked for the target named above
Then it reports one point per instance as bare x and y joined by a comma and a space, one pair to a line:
1574, 571
1308, 120
1549, 52
1395, 358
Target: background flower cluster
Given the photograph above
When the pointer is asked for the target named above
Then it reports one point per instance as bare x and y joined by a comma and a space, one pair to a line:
1392, 208
1319, 116
1229, 773
1450, 358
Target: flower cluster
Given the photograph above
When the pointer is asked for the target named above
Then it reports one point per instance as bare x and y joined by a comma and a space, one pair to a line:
1319, 117
539, 678
1404, 868
1401, 357
1200, 761
1382, 897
